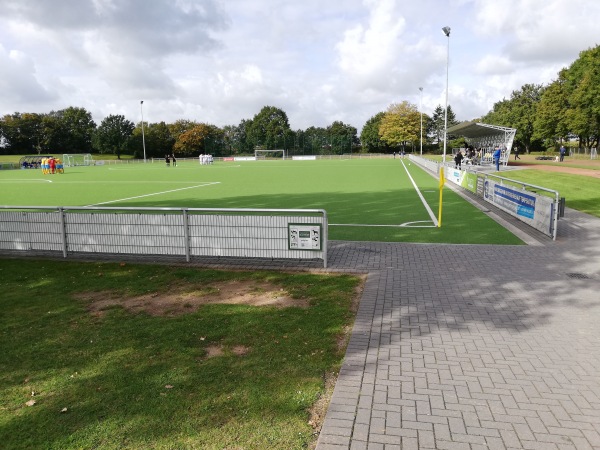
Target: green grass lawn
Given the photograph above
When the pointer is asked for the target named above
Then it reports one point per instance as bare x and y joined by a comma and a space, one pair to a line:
119, 379
376, 194
581, 193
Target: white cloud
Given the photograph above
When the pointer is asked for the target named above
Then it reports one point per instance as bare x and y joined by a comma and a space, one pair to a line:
18, 81
221, 62
369, 51
493, 65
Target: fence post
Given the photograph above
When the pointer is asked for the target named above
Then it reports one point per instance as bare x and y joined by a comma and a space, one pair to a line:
186, 234
325, 237
63, 231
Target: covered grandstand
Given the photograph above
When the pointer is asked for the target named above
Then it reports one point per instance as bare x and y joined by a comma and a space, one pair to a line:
486, 138
32, 161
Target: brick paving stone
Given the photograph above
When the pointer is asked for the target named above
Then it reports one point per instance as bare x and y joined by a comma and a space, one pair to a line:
506, 358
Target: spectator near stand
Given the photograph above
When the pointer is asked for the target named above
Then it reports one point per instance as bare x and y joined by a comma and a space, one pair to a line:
496, 155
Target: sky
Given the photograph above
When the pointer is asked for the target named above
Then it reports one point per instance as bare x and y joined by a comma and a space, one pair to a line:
221, 61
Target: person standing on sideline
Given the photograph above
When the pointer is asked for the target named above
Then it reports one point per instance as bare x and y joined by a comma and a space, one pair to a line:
562, 151
174, 160
167, 160
496, 156
517, 153
458, 160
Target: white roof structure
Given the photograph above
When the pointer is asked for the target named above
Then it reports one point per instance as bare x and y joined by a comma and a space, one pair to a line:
486, 137
477, 131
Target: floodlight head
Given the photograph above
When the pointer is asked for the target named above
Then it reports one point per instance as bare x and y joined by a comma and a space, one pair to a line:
141, 102
446, 31
421, 89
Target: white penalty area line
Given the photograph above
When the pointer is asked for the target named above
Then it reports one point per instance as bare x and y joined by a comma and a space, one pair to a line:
26, 181
431, 214
402, 225
178, 168
154, 193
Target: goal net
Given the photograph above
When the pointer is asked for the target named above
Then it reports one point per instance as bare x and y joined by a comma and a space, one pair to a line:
77, 159
270, 154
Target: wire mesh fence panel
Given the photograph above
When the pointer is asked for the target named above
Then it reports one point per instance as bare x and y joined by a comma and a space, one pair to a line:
221, 233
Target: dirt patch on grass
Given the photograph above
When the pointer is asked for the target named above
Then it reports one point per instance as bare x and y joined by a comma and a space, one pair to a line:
218, 350
562, 169
184, 299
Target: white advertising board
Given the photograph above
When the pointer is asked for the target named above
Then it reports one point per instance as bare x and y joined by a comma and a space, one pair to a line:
531, 208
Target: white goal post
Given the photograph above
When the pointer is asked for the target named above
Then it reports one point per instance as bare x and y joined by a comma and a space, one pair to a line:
77, 159
270, 154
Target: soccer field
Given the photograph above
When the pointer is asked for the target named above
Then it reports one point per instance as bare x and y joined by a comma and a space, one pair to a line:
387, 200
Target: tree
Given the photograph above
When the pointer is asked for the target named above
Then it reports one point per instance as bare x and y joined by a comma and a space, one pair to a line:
70, 130
582, 83
438, 122
518, 112
342, 137
550, 122
369, 136
113, 134
400, 125
181, 126
202, 139
159, 139
23, 133
316, 140
268, 128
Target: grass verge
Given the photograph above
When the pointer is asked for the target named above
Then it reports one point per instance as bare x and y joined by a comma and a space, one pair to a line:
215, 376
581, 193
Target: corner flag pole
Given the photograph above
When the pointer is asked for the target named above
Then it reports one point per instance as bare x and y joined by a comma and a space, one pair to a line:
442, 181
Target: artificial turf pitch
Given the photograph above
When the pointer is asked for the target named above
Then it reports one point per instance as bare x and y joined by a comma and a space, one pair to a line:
365, 199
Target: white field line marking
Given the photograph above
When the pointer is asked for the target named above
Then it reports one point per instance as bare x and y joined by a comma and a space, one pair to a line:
433, 218
123, 169
155, 193
127, 182
28, 181
402, 225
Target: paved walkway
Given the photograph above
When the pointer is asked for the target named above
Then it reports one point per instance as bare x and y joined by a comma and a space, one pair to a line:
472, 346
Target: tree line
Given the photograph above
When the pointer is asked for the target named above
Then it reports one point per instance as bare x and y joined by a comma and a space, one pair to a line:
566, 110
544, 116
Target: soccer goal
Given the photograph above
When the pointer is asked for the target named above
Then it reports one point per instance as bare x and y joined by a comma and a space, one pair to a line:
77, 159
270, 154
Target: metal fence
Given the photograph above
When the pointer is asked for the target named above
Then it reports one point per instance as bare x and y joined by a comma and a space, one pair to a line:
537, 206
299, 234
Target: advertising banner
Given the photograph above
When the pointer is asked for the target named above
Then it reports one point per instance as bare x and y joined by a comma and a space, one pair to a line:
469, 182
531, 208
245, 158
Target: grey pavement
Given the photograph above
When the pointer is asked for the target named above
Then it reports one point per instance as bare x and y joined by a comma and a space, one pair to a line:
472, 346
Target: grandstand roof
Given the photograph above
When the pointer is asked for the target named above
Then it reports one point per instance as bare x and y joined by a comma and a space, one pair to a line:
477, 129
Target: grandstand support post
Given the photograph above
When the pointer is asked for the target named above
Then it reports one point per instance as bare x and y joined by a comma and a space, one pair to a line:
446, 31
143, 137
63, 231
186, 234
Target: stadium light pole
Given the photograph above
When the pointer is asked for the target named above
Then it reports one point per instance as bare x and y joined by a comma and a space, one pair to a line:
143, 137
446, 31
421, 110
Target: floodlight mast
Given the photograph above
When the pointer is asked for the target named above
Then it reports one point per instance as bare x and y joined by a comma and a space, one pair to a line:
421, 111
143, 138
446, 31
